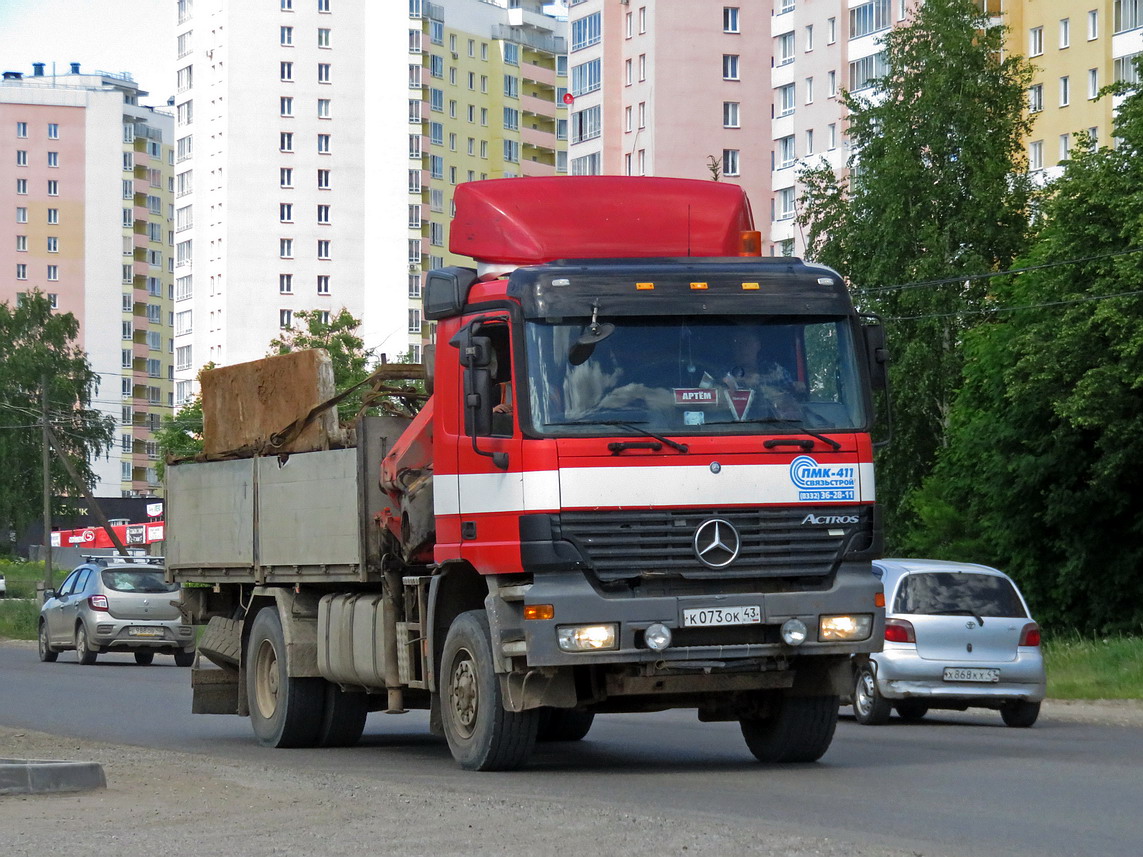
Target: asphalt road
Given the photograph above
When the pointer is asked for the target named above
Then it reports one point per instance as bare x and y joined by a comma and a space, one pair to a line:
957, 784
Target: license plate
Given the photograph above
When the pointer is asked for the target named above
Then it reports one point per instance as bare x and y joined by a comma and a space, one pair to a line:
971, 674
144, 631
751, 614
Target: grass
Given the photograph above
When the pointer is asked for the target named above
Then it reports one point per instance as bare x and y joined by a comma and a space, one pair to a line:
1079, 666
1093, 667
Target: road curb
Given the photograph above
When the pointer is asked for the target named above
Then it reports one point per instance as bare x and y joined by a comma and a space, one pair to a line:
28, 776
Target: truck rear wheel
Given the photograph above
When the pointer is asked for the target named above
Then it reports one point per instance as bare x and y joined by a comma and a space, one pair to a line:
343, 717
481, 734
284, 711
564, 724
799, 729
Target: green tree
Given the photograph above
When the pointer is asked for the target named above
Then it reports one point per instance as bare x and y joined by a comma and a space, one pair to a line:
39, 345
936, 192
1044, 465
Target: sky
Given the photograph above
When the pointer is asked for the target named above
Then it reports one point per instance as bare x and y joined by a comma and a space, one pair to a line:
134, 36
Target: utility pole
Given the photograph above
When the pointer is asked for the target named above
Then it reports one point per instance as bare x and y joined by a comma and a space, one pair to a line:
47, 462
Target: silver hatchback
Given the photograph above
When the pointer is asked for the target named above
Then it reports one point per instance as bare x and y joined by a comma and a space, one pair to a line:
957, 636
110, 604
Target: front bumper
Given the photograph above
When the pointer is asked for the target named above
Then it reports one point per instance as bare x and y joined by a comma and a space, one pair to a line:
576, 602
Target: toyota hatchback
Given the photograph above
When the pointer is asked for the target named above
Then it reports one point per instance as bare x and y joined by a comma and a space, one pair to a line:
112, 604
957, 636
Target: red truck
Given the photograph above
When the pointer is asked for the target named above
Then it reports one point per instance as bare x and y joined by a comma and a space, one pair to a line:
643, 480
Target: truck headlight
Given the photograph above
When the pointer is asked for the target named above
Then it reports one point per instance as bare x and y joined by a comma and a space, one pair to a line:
845, 628
587, 638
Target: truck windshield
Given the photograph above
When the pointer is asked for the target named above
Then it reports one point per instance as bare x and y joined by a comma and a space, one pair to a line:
715, 375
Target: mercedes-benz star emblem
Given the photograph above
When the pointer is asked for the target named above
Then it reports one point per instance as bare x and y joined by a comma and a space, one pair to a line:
717, 543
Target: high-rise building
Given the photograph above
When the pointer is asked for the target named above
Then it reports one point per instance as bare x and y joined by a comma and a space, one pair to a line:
750, 94
86, 184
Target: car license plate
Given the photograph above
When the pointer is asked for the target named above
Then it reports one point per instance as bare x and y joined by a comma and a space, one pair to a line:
751, 614
971, 674
144, 631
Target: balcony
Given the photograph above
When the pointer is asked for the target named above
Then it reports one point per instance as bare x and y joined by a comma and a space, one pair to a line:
538, 106
538, 138
538, 74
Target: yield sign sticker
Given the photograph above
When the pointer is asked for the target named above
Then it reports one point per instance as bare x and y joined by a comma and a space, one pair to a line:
740, 402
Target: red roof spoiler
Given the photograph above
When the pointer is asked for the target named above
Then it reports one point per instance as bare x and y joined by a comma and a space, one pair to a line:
526, 221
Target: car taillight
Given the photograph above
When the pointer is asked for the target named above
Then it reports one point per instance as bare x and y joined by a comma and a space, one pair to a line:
1030, 636
97, 602
899, 631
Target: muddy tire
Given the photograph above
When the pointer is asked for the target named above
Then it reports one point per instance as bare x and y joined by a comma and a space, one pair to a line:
798, 729
47, 653
343, 717
284, 711
84, 653
869, 706
481, 734
564, 724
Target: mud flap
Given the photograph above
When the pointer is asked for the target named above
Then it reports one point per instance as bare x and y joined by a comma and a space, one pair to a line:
536, 688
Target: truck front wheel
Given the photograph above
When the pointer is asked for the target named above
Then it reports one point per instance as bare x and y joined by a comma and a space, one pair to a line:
481, 734
798, 729
284, 711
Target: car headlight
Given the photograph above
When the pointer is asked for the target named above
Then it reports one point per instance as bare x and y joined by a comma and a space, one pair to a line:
587, 638
845, 628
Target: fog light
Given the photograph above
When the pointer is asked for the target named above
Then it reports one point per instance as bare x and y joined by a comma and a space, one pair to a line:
657, 637
794, 632
587, 638
833, 628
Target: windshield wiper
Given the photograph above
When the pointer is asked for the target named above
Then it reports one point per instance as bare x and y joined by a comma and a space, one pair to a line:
674, 444
799, 429
977, 616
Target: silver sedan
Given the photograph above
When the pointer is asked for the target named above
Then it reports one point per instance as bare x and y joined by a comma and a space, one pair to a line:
957, 636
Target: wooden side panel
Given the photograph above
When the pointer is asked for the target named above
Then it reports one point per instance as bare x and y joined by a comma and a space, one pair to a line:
244, 404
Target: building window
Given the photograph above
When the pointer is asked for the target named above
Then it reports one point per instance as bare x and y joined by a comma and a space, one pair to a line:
285, 319
864, 73
585, 124
53, 131
1093, 25
730, 165
786, 96
53, 245
1036, 155
286, 212
1092, 82
323, 179
21, 129
286, 177
286, 71
21, 157
323, 215
323, 249
323, 108
1065, 146
785, 203
323, 284
323, 144
1065, 32
511, 119
1036, 41
869, 18
730, 117
286, 105
730, 67
785, 153
1065, 91
285, 284
414, 321
286, 35
53, 159
53, 215
286, 248
587, 77
323, 72
1036, 98
585, 31
323, 37
21, 271
21, 214
729, 20
286, 141
784, 48
22, 187
22, 243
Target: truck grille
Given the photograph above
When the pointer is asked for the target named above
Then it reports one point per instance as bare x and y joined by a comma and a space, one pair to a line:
775, 542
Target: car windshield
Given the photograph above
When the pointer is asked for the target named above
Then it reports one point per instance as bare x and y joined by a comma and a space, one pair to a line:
714, 375
137, 580
958, 593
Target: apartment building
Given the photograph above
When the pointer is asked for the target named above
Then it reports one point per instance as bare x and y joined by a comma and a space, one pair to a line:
290, 196
749, 93
486, 101
86, 181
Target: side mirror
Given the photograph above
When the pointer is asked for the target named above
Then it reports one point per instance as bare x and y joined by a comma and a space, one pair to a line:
429, 361
877, 354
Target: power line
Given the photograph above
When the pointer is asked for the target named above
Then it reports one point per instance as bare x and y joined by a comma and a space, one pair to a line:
963, 278
989, 310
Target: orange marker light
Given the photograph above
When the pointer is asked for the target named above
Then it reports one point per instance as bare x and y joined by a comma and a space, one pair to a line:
879, 599
645, 287
751, 287
539, 611
750, 244
699, 287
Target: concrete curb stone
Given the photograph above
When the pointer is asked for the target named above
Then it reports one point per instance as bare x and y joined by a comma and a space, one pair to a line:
28, 776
